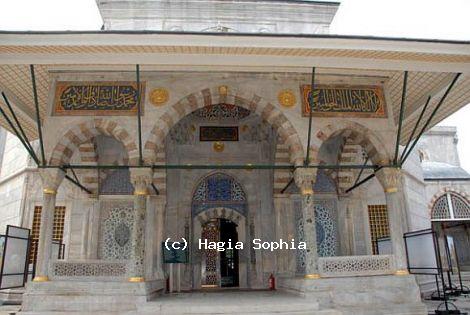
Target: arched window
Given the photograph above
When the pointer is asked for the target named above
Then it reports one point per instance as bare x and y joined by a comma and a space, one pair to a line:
219, 190
450, 206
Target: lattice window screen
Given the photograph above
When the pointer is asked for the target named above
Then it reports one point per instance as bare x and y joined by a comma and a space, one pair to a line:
460, 206
58, 227
378, 222
440, 210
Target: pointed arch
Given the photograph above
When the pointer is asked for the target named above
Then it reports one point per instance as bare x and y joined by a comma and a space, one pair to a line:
449, 204
84, 132
373, 146
227, 95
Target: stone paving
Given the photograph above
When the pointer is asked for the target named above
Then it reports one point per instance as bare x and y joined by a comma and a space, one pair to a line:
461, 302
277, 300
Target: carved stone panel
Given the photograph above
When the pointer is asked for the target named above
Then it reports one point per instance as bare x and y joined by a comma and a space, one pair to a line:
115, 229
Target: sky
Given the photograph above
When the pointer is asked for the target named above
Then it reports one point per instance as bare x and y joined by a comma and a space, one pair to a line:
436, 19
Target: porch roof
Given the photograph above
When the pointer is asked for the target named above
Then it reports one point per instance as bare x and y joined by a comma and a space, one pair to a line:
431, 63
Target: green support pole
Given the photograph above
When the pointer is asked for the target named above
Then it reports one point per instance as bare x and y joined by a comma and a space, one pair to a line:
38, 115
211, 166
441, 101
12, 112
23, 141
139, 115
400, 120
415, 128
307, 159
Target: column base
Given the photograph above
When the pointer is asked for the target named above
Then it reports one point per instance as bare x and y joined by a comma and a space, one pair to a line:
41, 278
136, 279
312, 276
401, 272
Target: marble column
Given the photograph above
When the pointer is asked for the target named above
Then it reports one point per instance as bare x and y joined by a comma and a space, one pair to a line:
345, 225
160, 227
390, 179
51, 179
305, 179
141, 179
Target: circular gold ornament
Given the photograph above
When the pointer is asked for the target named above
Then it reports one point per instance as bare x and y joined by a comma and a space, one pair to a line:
159, 96
286, 98
223, 90
218, 146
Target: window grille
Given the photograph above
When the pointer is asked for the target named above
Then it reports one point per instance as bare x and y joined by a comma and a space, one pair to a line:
450, 206
378, 222
57, 232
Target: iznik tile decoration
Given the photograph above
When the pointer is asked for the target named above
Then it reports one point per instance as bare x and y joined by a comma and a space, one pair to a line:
116, 229
232, 127
219, 190
117, 182
184, 132
326, 230
299, 224
324, 183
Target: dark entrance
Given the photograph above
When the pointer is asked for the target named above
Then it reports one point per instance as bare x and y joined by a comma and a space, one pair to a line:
229, 257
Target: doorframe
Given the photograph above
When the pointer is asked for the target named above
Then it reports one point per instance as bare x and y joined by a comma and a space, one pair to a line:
243, 255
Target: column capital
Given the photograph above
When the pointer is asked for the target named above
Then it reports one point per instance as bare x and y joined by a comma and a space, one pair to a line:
141, 178
51, 179
389, 178
305, 179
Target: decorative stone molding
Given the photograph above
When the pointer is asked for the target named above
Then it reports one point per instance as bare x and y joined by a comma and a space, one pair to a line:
358, 134
304, 178
389, 178
61, 270
346, 266
83, 132
219, 213
141, 178
228, 95
51, 179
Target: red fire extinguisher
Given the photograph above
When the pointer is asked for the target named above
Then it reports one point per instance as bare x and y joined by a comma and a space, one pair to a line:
272, 282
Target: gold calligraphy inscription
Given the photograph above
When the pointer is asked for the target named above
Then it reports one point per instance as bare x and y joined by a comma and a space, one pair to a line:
341, 100
97, 98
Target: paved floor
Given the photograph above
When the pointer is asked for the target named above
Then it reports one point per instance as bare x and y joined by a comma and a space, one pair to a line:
249, 300
462, 303
236, 302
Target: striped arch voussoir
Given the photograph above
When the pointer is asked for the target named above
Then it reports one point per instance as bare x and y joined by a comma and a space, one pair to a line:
84, 132
361, 135
227, 95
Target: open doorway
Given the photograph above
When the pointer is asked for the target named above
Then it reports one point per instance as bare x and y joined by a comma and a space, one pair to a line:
220, 266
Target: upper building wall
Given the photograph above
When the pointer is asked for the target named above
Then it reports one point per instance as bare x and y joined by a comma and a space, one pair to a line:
440, 145
281, 17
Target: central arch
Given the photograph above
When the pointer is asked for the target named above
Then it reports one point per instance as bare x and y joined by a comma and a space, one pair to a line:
224, 95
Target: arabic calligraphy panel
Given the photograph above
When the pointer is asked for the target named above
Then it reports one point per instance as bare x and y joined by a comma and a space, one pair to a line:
337, 100
97, 98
